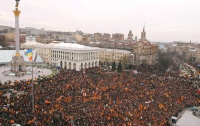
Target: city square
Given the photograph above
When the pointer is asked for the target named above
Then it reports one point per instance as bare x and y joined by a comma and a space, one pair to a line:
74, 78
37, 72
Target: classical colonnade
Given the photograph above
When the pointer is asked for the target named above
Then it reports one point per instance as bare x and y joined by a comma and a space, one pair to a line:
75, 59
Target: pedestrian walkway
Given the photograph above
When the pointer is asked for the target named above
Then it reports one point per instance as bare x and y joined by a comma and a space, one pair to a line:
37, 72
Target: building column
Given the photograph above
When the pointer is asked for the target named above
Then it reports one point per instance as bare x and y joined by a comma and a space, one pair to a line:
91, 55
17, 12
67, 65
78, 57
63, 64
78, 66
70, 56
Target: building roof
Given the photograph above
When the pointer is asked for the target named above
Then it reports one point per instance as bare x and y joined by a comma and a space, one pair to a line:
6, 56
60, 45
115, 50
73, 46
32, 43
174, 44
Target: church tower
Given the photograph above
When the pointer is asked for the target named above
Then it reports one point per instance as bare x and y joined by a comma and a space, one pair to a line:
143, 34
130, 36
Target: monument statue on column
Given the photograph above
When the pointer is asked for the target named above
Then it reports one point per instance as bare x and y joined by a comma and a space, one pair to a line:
18, 65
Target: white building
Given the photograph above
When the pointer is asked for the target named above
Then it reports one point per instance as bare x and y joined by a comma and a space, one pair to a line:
66, 55
30, 38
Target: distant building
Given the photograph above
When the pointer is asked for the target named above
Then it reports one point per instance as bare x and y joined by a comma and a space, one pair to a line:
30, 30
78, 37
198, 54
118, 37
178, 47
135, 38
2, 39
98, 37
190, 54
9, 37
106, 37
130, 36
34, 31
30, 38
87, 38
79, 32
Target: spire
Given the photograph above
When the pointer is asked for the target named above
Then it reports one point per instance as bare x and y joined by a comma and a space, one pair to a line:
143, 33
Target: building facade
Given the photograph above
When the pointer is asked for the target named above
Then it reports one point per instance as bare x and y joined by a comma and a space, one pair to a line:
9, 37
106, 37
87, 38
144, 52
118, 37
107, 56
98, 37
78, 37
66, 55
30, 38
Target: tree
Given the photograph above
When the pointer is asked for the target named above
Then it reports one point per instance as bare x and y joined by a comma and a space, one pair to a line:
113, 66
165, 61
119, 67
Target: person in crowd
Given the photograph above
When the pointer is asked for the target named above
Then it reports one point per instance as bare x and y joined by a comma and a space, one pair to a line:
98, 98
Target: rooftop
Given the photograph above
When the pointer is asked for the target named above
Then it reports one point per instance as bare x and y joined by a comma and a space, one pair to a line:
115, 50
60, 45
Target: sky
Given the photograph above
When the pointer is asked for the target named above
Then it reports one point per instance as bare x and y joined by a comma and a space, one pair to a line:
165, 20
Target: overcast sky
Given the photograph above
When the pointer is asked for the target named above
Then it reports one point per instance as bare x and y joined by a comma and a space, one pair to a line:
165, 20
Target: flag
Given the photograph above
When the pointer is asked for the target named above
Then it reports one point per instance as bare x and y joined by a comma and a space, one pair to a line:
29, 53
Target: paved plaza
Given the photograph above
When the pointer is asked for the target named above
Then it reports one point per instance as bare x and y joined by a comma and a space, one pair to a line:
37, 72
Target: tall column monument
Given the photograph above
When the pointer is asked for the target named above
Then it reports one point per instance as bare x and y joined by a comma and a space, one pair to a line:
17, 63
17, 12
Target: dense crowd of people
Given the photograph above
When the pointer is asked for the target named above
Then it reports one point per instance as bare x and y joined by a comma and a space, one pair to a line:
99, 98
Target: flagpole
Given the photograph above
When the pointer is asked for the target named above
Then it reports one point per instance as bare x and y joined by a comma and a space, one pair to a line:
33, 108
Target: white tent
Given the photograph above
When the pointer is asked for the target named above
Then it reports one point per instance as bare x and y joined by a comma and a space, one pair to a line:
188, 119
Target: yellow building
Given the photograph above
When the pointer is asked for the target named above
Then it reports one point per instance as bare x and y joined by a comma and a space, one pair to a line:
43, 51
87, 38
78, 37
144, 52
9, 37
107, 56
179, 47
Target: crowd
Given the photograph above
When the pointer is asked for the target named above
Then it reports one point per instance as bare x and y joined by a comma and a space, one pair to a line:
99, 98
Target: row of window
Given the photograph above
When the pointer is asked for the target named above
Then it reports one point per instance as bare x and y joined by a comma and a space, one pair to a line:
115, 53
